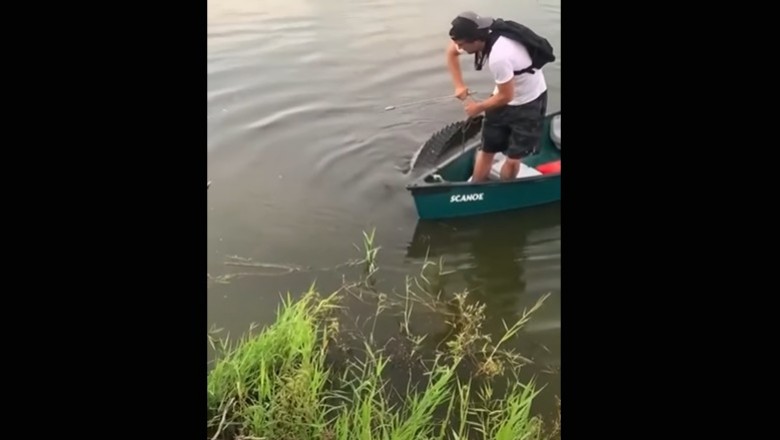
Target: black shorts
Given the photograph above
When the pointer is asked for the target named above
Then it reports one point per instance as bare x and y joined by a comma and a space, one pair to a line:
515, 130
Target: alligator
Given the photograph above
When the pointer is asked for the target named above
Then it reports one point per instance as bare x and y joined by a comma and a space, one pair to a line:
445, 143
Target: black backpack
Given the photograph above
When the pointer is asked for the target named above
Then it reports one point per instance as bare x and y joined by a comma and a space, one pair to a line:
540, 50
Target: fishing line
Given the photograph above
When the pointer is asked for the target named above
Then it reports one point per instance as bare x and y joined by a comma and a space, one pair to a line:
463, 130
423, 101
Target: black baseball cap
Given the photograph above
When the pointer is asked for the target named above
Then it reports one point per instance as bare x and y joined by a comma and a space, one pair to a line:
468, 24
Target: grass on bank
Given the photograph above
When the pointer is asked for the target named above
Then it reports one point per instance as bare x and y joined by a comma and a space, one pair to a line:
309, 375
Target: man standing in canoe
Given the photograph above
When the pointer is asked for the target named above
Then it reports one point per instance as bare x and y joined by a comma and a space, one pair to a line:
515, 111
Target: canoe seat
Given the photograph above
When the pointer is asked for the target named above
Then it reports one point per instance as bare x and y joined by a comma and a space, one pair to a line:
555, 131
498, 162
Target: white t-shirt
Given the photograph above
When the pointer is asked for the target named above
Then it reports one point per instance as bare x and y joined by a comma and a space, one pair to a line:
507, 56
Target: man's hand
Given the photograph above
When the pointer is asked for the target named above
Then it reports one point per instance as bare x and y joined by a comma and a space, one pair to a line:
473, 108
461, 92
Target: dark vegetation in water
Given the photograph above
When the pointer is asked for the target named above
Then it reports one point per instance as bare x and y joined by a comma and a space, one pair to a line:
318, 373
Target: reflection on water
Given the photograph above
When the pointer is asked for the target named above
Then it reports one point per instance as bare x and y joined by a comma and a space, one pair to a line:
506, 261
490, 253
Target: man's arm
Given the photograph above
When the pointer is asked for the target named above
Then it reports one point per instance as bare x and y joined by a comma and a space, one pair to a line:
501, 98
505, 93
453, 63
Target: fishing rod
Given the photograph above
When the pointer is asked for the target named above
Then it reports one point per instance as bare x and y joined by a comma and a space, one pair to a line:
440, 98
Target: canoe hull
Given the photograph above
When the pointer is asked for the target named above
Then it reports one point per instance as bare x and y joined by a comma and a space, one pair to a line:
444, 192
459, 200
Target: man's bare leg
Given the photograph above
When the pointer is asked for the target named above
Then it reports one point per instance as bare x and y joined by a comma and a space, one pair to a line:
510, 169
482, 166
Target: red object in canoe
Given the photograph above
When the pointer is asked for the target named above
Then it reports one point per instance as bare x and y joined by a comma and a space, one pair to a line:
550, 167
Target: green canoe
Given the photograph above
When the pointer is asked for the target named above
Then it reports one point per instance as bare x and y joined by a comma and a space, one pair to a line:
444, 191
